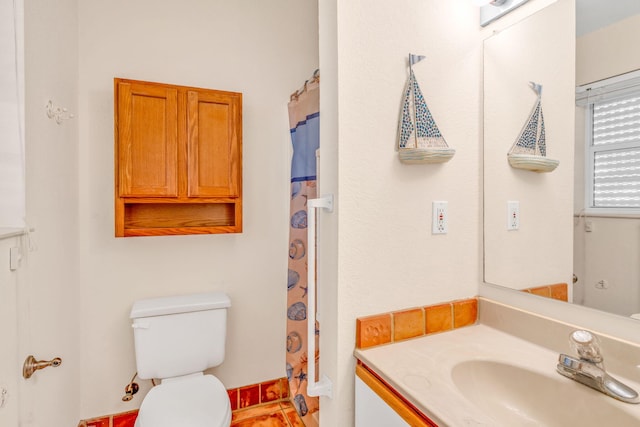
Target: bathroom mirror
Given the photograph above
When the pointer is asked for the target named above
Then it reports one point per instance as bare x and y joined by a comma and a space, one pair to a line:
552, 243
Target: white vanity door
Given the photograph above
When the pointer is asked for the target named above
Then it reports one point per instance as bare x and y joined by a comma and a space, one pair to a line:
372, 411
9, 365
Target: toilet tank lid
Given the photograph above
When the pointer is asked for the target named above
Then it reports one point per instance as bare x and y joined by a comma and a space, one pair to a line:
179, 304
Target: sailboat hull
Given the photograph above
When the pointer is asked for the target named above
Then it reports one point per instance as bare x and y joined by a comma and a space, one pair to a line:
532, 163
414, 156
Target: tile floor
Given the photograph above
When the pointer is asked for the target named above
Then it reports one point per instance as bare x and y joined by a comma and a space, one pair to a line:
275, 414
278, 414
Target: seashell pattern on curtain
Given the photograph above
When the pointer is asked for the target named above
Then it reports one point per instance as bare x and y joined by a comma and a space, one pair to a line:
304, 124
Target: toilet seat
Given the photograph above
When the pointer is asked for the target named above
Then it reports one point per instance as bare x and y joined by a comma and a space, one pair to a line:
195, 400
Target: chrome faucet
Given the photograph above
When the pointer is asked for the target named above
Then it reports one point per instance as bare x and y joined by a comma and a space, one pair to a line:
588, 368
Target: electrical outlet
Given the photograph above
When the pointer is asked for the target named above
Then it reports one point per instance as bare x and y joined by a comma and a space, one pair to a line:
440, 218
588, 226
513, 215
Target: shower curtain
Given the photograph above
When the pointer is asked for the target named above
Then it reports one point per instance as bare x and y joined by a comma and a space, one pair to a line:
304, 121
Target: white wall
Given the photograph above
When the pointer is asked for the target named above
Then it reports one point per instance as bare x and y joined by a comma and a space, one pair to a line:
12, 198
388, 257
610, 251
378, 253
263, 49
48, 289
595, 57
9, 354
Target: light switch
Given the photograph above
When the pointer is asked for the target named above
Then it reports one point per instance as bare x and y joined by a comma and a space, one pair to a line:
14, 258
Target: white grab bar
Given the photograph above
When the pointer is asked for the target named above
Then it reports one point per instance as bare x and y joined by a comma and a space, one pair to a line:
324, 386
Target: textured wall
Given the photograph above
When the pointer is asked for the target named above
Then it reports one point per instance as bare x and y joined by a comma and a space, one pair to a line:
379, 254
263, 49
48, 289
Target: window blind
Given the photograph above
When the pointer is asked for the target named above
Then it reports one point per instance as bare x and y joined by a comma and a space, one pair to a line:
615, 150
617, 178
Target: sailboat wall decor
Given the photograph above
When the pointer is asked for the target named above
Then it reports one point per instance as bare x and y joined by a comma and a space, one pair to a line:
529, 152
419, 139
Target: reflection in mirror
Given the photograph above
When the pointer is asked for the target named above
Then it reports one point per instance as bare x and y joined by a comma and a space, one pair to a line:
602, 251
607, 240
538, 253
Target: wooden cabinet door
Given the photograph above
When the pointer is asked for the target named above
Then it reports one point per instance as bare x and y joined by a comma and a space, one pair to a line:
214, 126
147, 152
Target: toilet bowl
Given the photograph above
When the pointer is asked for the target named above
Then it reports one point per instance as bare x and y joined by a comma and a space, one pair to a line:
176, 340
194, 400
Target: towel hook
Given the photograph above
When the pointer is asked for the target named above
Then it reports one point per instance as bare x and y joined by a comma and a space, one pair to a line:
31, 365
58, 113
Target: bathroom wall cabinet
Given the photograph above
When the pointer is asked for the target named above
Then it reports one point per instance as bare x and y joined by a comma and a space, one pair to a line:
178, 159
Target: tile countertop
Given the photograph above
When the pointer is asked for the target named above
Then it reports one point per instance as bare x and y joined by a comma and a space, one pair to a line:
421, 370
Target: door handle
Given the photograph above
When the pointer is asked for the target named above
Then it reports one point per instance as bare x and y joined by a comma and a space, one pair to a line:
31, 365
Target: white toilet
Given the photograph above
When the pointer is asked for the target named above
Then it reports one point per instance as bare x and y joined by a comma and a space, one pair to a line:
176, 339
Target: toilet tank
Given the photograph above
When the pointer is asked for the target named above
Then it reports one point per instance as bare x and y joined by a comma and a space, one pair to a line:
179, 335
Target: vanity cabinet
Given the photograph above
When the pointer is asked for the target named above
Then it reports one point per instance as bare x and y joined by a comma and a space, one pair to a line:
178, 159
379, 406
372, 411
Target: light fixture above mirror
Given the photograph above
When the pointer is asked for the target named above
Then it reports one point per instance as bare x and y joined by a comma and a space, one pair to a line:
490, 10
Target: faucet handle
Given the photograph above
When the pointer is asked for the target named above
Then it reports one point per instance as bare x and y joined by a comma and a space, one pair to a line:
586, 345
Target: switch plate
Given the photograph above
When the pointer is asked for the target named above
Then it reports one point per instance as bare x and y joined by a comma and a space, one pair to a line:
440, 218
513, 215
15, 256
588, 226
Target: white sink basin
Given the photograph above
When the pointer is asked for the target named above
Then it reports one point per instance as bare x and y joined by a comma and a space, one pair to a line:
479, 376
522, 397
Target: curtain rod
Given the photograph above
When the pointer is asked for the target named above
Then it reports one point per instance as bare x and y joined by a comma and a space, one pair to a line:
612, 86
315, 78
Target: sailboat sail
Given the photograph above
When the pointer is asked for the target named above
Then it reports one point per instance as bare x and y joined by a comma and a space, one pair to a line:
531, 138
418, 129
530, 150
419, 139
